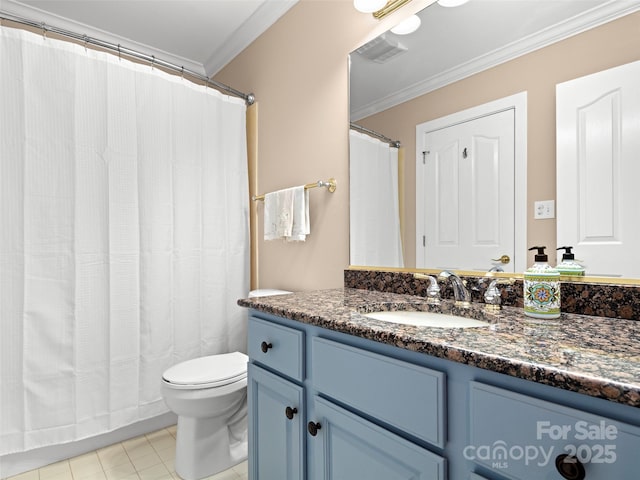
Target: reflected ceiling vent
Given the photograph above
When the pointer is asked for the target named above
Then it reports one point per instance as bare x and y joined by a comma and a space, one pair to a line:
381, 49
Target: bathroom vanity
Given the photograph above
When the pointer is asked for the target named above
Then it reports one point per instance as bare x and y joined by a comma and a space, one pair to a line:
334, 394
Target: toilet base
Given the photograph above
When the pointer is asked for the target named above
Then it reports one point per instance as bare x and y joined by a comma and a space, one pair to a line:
205, 447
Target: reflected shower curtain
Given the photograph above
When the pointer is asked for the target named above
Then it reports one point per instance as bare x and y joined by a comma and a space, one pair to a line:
374, 204
123, 236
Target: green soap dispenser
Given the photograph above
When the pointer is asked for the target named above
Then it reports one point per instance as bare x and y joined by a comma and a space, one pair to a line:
568, 265
541, 288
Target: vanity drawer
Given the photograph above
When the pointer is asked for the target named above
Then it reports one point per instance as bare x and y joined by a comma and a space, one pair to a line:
521, 437
277, 347
400, 394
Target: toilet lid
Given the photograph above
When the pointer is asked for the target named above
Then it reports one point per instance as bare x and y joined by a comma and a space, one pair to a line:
211, 371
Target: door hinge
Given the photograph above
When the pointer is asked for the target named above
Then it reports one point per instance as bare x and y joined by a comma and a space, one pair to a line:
424, 156
424, 240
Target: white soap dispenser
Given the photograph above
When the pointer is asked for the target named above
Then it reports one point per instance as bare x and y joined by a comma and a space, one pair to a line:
541, 288
568, 265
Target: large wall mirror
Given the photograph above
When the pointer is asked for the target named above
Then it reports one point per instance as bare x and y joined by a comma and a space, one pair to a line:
481, 52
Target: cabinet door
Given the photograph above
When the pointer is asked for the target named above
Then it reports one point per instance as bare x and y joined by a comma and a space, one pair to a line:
275, 440
347, 447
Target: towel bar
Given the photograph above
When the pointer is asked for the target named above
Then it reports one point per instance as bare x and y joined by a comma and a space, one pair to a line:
331, 185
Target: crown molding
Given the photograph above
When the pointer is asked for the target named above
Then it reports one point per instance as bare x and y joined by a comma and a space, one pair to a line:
257, 24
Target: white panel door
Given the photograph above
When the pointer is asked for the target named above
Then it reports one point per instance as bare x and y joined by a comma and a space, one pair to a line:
598, 194
466, 184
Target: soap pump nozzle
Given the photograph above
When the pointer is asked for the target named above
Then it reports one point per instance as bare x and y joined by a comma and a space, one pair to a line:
567, 255
540, 256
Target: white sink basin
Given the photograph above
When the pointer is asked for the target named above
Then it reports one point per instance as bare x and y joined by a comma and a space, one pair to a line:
427, 319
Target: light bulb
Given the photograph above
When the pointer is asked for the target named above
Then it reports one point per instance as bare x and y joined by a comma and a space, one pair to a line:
369, 6
408, 25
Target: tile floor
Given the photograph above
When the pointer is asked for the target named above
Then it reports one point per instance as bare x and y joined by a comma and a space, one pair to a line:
148, 457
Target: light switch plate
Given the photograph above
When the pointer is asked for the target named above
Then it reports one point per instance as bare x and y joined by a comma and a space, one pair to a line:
544, 209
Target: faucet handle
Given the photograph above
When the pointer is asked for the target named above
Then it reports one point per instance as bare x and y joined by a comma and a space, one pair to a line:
433, 291
492, 297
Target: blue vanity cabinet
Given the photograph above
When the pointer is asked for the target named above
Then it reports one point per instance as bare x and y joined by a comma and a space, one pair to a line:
370, 410
321, 409
275, 401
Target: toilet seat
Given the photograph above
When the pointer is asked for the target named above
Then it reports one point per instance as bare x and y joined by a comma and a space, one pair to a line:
207, 372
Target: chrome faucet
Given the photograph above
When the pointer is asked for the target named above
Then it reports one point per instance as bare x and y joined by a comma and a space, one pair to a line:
460, 292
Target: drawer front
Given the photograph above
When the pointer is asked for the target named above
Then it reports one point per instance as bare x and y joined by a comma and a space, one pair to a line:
347, 447
403, 395
522, 437
277, 347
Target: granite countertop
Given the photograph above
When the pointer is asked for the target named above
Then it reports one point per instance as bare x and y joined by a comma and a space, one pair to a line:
595, 356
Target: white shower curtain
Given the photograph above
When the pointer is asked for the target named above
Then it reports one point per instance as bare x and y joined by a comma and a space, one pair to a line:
123, 236
375, 238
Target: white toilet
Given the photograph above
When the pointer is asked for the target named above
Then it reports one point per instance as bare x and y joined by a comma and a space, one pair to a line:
209, 396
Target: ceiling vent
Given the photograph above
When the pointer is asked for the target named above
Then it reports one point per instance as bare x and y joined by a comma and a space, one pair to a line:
381, 49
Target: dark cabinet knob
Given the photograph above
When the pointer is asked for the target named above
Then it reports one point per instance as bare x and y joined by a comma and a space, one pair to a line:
570, 467
313, 428
264, 346
290, 412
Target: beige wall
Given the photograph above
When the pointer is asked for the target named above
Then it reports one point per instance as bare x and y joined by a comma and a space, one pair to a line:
612, 44
299, 74
298, 71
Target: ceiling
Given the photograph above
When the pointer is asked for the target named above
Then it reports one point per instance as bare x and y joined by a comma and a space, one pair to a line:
454, 43
199, 35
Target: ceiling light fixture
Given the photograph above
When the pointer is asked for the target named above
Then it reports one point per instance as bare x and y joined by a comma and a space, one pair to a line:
407, 26
369, 6
451, 3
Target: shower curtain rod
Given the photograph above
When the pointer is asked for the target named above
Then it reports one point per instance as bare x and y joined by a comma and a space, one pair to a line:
248, 98
360, 128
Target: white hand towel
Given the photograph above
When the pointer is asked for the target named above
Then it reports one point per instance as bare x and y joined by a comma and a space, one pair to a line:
278, 214
301, 227
286, 214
